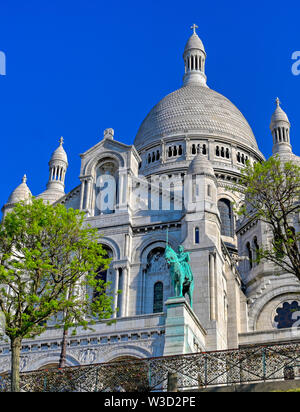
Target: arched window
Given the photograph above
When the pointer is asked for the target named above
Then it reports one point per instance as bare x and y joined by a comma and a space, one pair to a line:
158, 298
197, 236
256, 247
102, 274
106, 188
250, 256
226, 215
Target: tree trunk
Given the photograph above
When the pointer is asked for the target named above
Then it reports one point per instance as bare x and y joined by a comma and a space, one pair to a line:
15, 346
63, 353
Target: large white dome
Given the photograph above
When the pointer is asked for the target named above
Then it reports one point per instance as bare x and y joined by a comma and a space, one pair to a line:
195, 109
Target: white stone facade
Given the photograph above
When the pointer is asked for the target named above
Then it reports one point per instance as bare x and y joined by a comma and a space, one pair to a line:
194, 132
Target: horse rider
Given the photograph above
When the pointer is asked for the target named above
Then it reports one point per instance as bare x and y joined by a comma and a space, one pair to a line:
184, 259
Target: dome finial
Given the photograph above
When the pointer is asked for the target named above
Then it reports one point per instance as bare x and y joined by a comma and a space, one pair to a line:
24, 180
278, 102
61, 141
194, 27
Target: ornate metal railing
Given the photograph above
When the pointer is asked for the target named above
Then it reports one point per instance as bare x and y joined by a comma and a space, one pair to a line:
251, 364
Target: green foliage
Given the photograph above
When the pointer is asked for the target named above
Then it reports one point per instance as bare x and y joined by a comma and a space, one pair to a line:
49, 258
272, 195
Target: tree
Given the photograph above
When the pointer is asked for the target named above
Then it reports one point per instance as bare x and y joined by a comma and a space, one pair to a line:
98, 289
272, 195
49, 258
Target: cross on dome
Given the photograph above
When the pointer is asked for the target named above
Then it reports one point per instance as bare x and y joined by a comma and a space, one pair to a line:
24, 180
194, 27
61, 141
278, 102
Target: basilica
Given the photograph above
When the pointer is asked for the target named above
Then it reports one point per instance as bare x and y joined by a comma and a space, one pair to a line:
198, 137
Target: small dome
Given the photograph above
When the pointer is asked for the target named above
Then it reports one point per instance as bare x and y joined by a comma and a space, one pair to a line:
201, 165
279, 115
59, 153
194, 42
21, 193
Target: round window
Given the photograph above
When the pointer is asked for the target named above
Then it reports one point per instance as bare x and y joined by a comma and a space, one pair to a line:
287, 315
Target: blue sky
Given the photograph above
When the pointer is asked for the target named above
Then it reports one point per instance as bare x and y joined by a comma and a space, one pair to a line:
77, 67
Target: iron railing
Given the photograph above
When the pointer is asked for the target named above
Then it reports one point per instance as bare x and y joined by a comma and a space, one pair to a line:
199, 370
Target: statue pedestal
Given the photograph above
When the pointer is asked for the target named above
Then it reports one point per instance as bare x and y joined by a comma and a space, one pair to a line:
184, 333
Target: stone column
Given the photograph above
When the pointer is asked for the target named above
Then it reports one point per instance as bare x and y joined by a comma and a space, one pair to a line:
212, 286
87, 193
211, 150
143, 289
82, 189
234, 151
126, 278
163, 151
90, 193
122, 190
124, 294
115, 291
188, 148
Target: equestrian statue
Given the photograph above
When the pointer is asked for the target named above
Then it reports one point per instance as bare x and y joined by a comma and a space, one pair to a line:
180, 271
